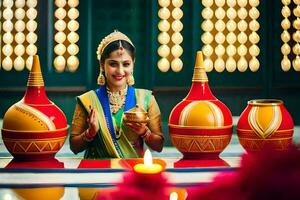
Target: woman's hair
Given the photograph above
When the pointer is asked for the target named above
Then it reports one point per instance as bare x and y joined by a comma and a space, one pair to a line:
116, 45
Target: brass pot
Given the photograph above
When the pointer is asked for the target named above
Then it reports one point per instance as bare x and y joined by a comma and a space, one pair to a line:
136, 115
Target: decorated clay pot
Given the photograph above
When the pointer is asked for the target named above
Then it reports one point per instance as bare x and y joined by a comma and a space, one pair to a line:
200, 126
34, 128
265, 123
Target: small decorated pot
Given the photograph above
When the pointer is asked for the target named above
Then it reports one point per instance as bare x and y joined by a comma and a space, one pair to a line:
200, 126
34, 128
265, 123
136, 114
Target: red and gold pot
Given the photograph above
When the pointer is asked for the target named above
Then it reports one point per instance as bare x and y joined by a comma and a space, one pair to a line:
200, 125
34, 128
265, 123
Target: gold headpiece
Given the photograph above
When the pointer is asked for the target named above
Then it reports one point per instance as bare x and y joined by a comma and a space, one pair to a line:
114, 36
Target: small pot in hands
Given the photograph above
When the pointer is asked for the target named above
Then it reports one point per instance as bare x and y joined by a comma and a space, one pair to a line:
136, 115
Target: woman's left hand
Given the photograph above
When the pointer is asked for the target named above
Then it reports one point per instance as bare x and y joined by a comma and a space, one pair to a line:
138, 128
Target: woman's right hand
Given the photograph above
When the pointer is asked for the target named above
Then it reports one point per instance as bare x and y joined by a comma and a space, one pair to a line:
93, 124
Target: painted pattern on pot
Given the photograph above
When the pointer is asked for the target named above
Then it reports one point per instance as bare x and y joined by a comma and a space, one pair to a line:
200, 126
265, 123
34, 128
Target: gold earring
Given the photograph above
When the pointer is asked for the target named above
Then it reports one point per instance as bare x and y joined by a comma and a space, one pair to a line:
130, 80
101, 78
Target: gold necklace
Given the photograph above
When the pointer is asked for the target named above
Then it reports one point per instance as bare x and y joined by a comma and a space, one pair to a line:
116, 99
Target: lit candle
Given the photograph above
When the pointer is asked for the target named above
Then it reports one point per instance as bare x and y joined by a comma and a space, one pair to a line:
173, 196
147, 167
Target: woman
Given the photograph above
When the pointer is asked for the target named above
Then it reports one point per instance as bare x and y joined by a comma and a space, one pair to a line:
98, 126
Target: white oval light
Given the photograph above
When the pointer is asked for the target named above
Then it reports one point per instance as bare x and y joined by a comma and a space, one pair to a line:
31, 37
230, 64
207, 25
19, 63
73, 49
163, 64
220, 50
59, 63
242, 50
60, 37
220, 13
31, 25
177, 25
60, 25
31, 3
220, 25
207, 3
20, 26
59, 49
219, 65
73, 13
176, 51
19, 50
60, 3
176, 65
8, 38
73, 37
73, 3
163, 38
7, 50
254, 50
285, 64
31, 13
7, 26
20, 14
177, 3
164, 13
7, 63
207, 50
73, 63
8, 14
242, 13
29, 62
73, 25
31, 49
60, 13
254, 64
164, 25
208, 64
8, 3
207, 13
242, 64
177, 13
164, 3
231, 50
163, 51
177, 38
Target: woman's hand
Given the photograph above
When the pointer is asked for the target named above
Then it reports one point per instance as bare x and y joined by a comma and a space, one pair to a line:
138, 128
93, 124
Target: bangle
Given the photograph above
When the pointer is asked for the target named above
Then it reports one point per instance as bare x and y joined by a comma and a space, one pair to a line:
146, 135
85, 138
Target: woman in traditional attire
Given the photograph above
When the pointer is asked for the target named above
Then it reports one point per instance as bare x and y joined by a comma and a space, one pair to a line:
98, 126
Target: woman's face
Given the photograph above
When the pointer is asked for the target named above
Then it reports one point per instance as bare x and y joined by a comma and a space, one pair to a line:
118, 68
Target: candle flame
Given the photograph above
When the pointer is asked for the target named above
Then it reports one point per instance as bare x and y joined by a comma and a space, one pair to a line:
173, 196
148, 158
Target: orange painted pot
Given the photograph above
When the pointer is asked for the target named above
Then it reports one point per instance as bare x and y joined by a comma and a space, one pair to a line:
265, 123
200, 126
34, 128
